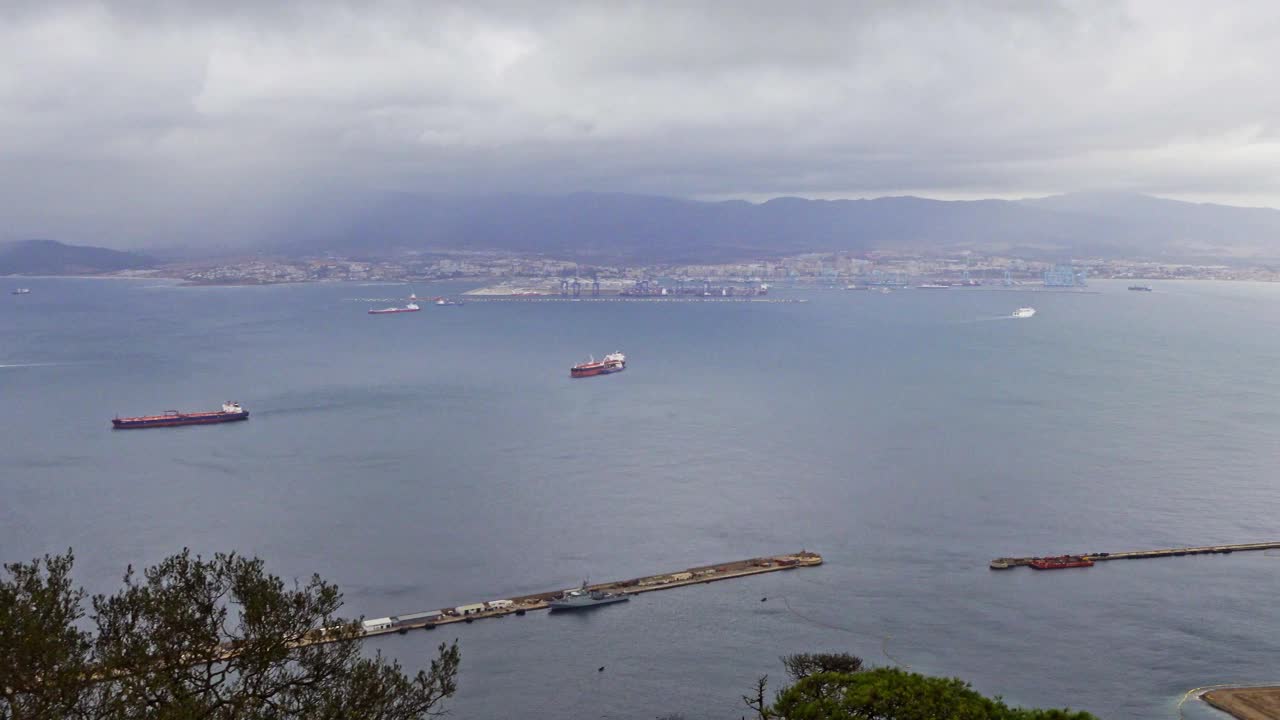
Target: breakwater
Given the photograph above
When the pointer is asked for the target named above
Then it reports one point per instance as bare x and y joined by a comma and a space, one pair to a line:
1004, 563
470, 612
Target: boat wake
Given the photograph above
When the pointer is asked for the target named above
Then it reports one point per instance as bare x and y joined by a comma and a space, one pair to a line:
301, 409
884, 643
35, 365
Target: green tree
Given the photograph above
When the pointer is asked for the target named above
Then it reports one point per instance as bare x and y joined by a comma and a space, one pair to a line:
801, 665
217, 639
890, 694
43, 651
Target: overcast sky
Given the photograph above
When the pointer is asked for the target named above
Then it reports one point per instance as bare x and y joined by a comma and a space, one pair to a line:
156, 123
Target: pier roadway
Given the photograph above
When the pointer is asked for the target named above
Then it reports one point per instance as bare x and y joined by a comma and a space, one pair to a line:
1005, 563
691, 576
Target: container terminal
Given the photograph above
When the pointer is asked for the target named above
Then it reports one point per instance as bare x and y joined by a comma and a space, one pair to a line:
1057, 562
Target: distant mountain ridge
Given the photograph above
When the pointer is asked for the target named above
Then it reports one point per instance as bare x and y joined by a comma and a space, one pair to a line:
627, 229
49, 257
618, 227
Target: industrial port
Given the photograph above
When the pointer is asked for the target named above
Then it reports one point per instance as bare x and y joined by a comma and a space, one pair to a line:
637, 298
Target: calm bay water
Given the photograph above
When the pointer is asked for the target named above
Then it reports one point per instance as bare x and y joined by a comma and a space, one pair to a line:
427, 460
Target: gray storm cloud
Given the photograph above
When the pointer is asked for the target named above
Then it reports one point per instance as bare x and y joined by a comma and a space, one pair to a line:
147, 123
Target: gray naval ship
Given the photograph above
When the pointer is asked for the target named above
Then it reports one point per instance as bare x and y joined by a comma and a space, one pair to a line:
581, 597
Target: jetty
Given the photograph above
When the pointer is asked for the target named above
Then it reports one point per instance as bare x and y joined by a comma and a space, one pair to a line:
1085, 559
429, 619
634, 299
1246, 703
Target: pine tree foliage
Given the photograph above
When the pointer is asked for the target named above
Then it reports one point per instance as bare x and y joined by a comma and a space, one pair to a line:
197, 639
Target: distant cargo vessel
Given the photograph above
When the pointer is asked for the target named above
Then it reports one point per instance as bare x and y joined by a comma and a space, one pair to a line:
934, 286
411, 307
612, 363
583, 598
1140, 288
230, 412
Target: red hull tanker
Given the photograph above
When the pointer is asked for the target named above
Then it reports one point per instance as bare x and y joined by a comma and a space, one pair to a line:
230, 412
612, 363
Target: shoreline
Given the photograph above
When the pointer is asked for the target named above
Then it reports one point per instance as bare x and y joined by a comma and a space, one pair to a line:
104, 276
1259, 702
499, 291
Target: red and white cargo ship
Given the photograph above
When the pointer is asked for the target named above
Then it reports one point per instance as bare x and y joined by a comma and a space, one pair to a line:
230, 412
612, 363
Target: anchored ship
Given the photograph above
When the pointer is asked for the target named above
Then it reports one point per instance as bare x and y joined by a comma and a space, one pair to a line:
582, 597
411, 307
1061, 562
230, 412
612, 363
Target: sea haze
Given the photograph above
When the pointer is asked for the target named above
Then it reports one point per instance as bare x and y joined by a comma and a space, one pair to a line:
443, 457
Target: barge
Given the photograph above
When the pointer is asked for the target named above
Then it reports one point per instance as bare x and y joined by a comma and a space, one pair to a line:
1060, 562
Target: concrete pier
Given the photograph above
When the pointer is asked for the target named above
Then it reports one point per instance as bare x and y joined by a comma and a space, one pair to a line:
526, 603
1004, 563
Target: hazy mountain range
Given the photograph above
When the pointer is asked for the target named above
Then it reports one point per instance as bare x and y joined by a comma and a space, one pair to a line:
615, 227
47, 257
645, 229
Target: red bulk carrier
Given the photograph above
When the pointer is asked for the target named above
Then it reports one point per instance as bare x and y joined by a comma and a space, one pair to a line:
612, 363
1061, 562
230, 412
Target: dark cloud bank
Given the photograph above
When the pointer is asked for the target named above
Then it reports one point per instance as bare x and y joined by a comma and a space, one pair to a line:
136, 124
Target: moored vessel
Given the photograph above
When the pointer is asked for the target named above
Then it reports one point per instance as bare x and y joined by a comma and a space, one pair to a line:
582, 597
230, 412
411, 307
1061, 562
612, 363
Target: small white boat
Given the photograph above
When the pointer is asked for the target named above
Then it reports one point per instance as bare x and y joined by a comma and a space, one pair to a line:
411, 307
1024, 312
